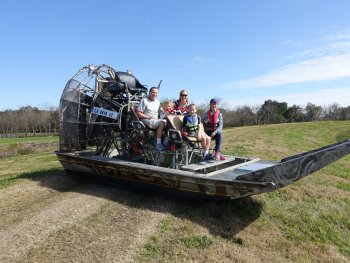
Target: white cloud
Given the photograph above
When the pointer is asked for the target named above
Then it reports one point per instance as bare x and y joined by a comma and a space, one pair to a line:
321, 97
199, 59
317, 69
190, 63
341, 35
328, 60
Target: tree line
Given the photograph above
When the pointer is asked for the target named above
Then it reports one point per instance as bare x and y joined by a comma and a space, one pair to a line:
272, 112
31, 121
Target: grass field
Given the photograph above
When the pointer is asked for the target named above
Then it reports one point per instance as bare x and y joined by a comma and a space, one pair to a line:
48, 216
37, 139
11, 147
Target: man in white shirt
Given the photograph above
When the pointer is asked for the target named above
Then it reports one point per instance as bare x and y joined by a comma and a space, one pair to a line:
148, 112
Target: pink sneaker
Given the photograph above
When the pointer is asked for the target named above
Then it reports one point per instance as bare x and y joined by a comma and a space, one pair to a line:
222, 158
217, 155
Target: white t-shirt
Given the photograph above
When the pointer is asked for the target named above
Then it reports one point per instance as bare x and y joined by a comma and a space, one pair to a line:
151, 108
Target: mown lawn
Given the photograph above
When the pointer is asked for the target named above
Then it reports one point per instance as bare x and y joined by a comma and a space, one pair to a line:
34, 139
308, 221
26, 155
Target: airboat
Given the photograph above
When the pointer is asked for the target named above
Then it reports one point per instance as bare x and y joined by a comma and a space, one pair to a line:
100, 135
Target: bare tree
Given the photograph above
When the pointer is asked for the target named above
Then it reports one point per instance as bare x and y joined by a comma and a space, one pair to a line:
29, 119
245, 116
344, 113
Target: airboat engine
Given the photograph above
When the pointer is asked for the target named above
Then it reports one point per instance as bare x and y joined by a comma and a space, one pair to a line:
96, 111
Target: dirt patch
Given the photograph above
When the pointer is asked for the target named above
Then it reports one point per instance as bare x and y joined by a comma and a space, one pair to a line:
64, 219
59, 218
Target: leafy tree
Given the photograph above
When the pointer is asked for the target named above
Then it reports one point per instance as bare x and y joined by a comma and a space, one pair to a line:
313, 112
294, 114
272, 112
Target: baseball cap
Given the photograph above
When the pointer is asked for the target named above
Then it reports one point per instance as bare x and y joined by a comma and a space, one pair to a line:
213, 101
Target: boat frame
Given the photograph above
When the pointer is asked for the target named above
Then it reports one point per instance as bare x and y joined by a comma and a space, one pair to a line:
100, 135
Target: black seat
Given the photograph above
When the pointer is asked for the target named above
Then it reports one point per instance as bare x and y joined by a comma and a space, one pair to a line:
116, 87
133, 84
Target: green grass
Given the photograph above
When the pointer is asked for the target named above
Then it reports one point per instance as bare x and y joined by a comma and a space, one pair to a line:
9, 180
10, 147
340, 168
165, 225
303, 222
35, 139
344, 186
313, 212
198, 242
151, 249
25, 163
22, 155
311, 219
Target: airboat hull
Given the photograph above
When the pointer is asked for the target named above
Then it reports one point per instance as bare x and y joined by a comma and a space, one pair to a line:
101, 135
234, 178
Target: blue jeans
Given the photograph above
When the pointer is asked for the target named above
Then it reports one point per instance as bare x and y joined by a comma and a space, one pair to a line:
217, 137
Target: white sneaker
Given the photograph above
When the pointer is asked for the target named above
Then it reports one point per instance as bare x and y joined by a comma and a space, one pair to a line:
159, 147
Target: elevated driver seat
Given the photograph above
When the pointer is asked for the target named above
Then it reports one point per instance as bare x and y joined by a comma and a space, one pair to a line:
123, 80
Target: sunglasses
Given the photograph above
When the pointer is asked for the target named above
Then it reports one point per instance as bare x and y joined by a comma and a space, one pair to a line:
183, 95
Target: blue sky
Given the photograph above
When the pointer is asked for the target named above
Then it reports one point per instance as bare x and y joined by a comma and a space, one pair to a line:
243, 51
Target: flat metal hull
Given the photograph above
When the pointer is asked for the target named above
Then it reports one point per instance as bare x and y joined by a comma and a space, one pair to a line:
235, 178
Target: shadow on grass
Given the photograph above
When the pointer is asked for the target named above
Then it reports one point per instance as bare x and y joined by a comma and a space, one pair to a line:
224, 218
342, 136
7, 181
